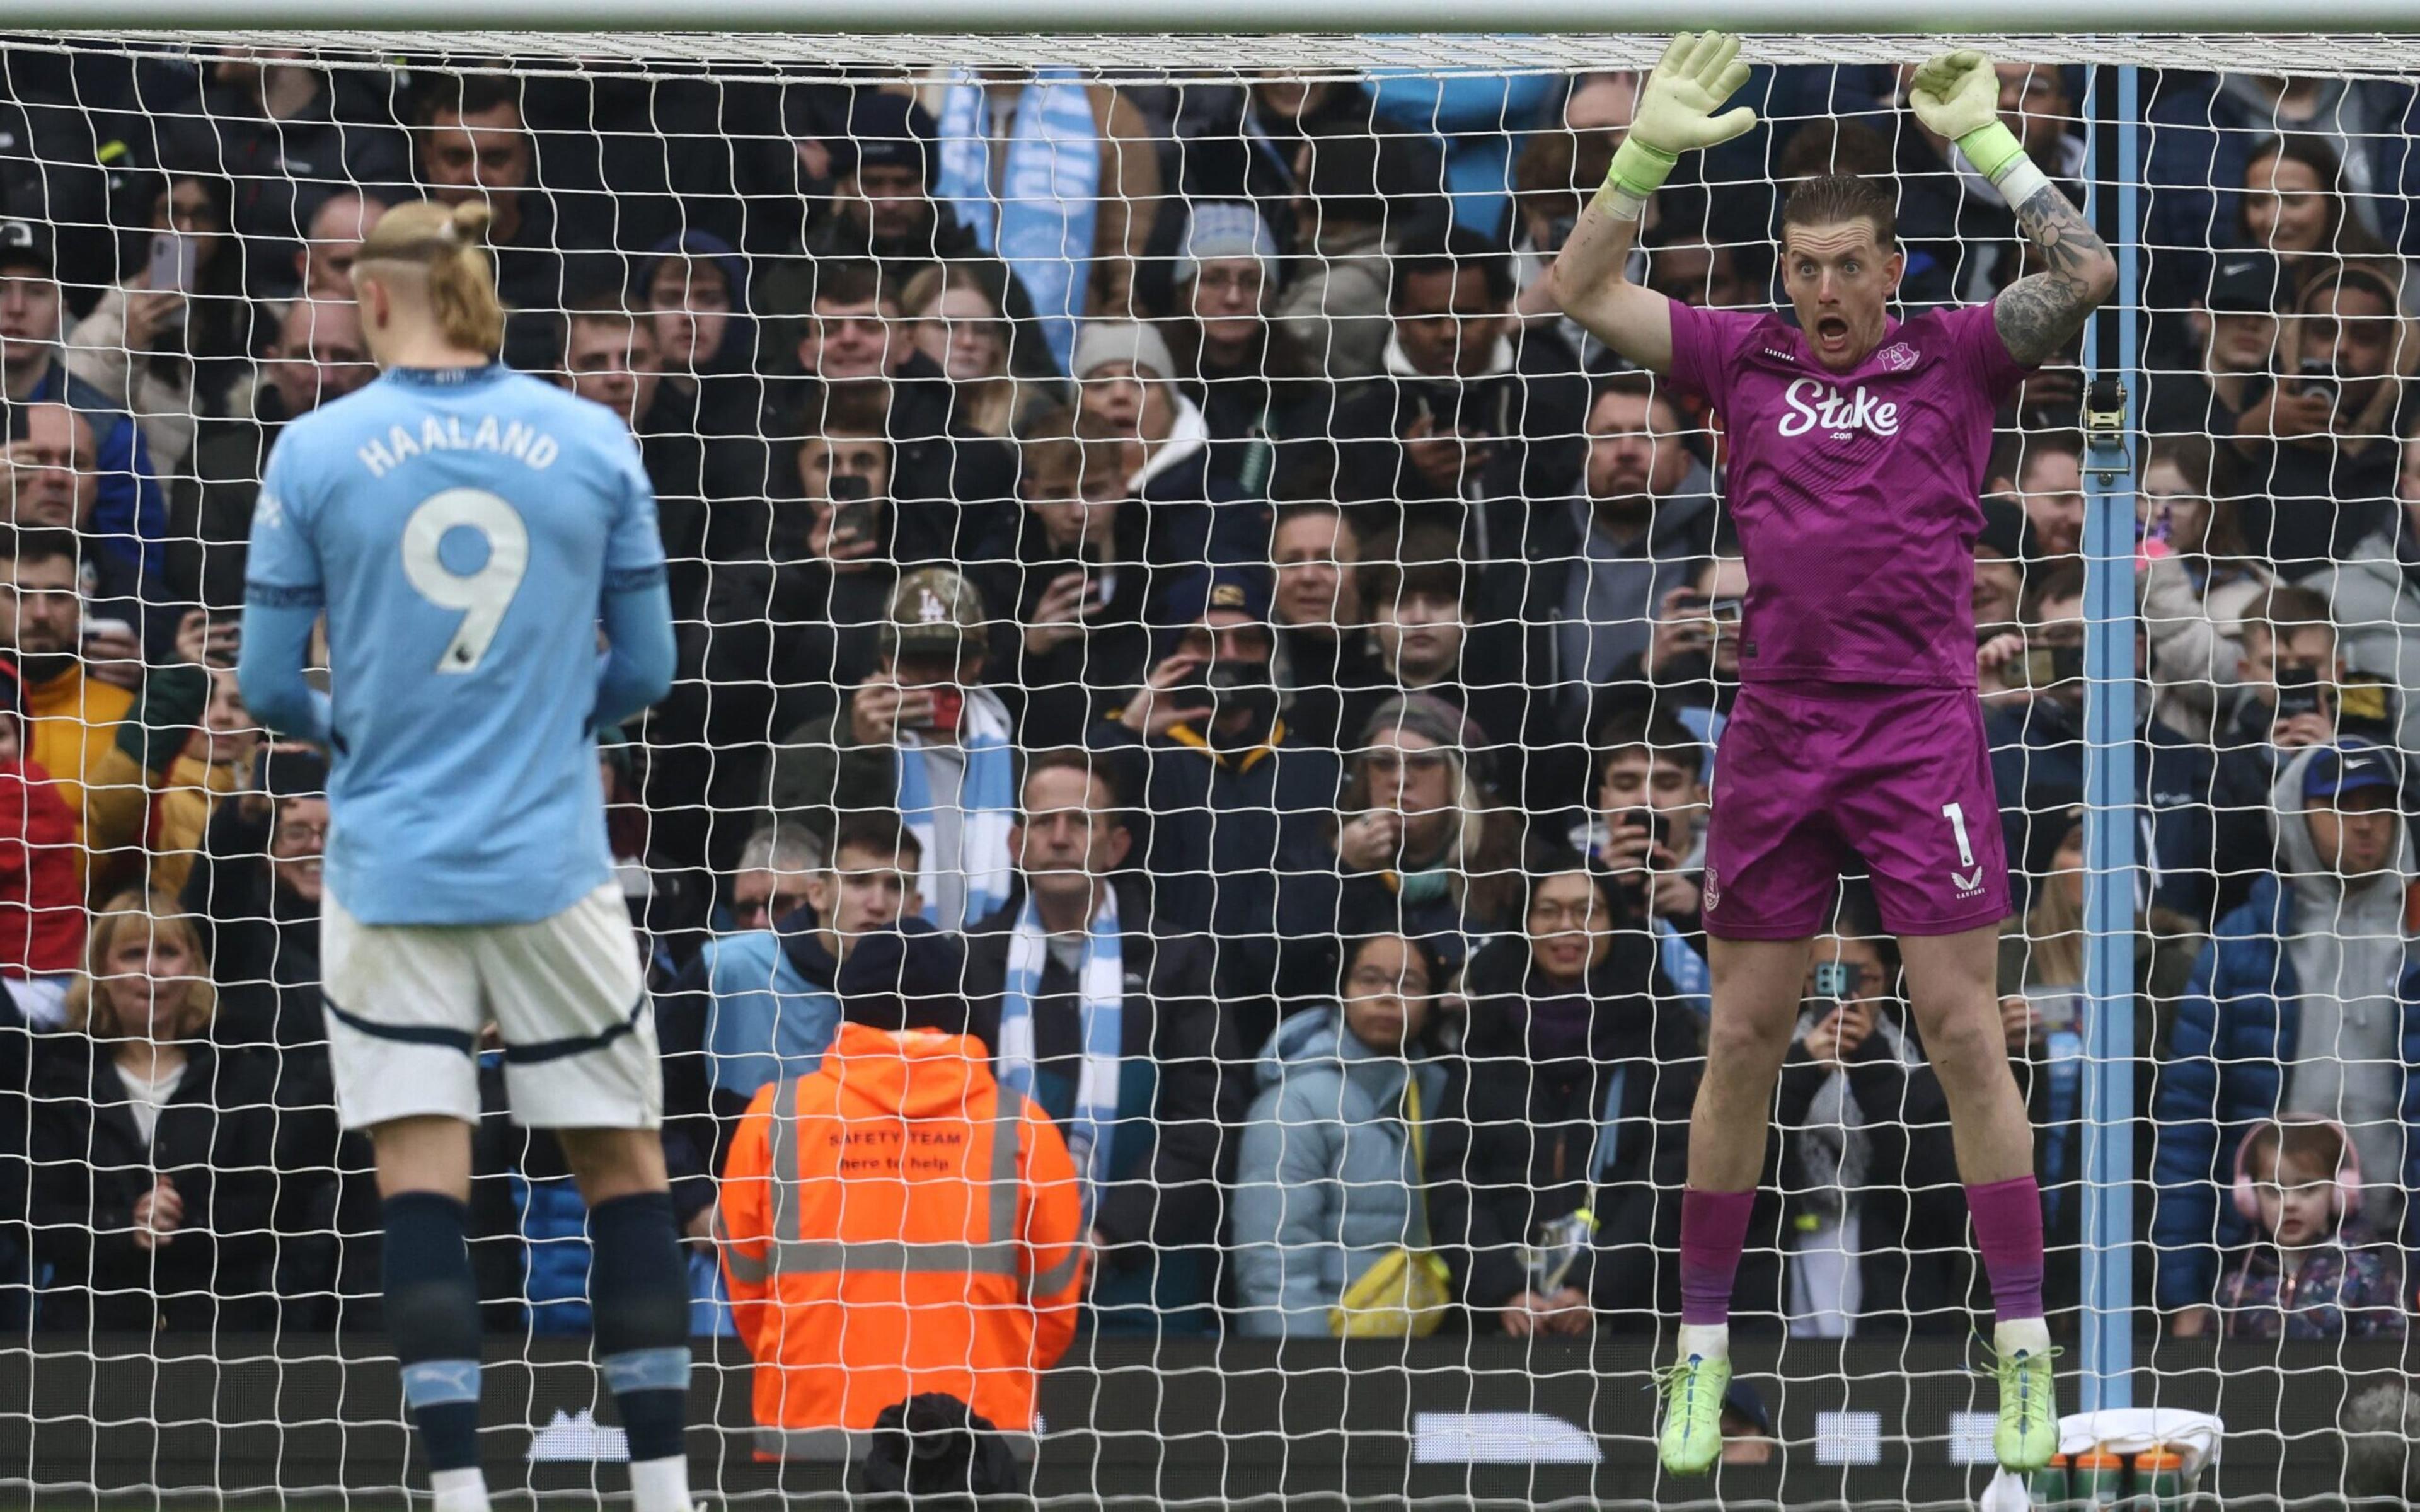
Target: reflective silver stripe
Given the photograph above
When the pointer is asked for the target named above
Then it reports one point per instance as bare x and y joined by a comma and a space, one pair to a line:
785, 1161
891, 1256
1051, 1281
751, 1268
792, 1254
1007, 1132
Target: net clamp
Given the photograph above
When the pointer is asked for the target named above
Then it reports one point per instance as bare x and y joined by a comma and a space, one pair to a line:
2105, 431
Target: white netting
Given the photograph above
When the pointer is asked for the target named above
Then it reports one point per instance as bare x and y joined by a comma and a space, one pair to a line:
1301, 276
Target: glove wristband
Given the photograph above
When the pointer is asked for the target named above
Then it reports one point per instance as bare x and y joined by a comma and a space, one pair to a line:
1993, 149
1638, 171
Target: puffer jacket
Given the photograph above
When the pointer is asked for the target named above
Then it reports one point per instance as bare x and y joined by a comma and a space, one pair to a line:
2348, 1287
2238, 1034
1329, 1181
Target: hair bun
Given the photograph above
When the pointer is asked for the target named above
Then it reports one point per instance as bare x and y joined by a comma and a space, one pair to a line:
469, 220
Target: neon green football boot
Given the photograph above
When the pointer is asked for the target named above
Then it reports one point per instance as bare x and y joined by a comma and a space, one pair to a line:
1693, 1413
2027, 1434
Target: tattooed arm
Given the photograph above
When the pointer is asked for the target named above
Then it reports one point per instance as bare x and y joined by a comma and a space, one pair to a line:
2038, 312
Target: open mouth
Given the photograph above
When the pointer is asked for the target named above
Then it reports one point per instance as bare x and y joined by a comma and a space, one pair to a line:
1832, 333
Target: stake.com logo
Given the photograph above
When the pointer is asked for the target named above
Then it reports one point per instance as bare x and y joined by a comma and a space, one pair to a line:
1835, 412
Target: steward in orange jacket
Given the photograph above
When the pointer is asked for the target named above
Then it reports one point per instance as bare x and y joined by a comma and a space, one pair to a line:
897, 1223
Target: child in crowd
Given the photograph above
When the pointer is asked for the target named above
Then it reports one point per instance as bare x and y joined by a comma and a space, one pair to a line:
2316, 1272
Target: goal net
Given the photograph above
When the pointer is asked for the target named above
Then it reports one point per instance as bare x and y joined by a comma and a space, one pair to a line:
1160, 461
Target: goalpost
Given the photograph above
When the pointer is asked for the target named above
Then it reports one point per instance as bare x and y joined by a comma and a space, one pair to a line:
295, 1414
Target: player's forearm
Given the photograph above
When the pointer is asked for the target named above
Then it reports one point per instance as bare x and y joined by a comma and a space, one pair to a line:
1590, 281
277, 645
2038, 315
640, 652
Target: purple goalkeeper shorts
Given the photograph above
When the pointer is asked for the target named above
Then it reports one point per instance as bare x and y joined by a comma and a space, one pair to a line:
1810, 777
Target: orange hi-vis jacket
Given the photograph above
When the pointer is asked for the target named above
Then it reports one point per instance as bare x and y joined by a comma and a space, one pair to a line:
897, 1223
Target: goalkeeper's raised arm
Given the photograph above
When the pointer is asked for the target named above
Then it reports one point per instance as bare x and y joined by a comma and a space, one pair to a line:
1957, 95
1676, 113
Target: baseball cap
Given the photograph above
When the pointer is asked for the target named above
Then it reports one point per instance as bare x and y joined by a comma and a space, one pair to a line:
934, 609
2350, 767
1742, 1399
24, 242
2247, 283
1103, 342
1199, 592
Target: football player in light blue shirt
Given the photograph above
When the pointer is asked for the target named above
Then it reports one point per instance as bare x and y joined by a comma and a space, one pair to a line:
465, 531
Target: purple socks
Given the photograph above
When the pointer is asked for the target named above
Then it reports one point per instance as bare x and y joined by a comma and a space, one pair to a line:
1714, 1230
2009, 1231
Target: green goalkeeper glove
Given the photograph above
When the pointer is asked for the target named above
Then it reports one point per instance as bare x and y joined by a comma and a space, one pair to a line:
1676, 113
1957, 95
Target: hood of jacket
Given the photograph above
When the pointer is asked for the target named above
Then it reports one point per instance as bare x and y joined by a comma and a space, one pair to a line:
1188, 437
2318, 892
909, 1074
1316, 1040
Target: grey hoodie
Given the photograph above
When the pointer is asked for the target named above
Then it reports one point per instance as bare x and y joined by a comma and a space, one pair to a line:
2346, 943
1326, 1183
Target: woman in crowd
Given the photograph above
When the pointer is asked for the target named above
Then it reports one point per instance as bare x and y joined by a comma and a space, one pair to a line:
2293, 205
168, 344
1256, 386
956, 322
1417, 834
2194, 587
1329, 1183
1572, 1098
153, 1184
1873, 1206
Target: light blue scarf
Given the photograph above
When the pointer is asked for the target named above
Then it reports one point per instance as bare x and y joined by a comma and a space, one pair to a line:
986, 808
1040, 221
1100, 993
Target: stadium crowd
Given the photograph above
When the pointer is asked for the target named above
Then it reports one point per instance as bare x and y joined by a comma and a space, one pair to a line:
1251, 660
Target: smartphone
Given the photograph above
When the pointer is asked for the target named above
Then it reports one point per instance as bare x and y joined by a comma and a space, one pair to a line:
2298, 691
2059, 1008
1836, 980
2050, 665
949, 707
94, 627
1728, 610
1659, 828
2317, 378
857, 514
175, 261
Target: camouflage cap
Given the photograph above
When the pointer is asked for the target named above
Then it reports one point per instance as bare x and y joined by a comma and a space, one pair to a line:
934, 610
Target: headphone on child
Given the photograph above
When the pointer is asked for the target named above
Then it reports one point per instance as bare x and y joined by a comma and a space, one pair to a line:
2347, 1197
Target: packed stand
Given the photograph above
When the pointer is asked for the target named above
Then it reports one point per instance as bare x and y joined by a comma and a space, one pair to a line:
1218, 639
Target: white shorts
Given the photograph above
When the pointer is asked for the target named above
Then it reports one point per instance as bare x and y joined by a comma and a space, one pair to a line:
407, 1004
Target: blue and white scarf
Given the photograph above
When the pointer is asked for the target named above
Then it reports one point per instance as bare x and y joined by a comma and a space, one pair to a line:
1040, 221
1100, 993
986, 809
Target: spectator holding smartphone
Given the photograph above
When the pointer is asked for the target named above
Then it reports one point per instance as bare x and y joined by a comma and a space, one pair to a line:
167, 344
922, 736
1866, 1167
2194, 584
1649, 833
1088, 555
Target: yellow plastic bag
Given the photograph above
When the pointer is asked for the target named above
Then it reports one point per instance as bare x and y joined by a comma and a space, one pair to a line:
1402, 1296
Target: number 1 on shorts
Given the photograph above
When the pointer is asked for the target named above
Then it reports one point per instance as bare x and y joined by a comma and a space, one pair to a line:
1955, 815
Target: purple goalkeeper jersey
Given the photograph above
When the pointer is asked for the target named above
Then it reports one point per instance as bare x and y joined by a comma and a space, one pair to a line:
1858, 496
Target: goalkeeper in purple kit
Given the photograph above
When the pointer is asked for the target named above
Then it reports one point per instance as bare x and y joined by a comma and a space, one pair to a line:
1858, 446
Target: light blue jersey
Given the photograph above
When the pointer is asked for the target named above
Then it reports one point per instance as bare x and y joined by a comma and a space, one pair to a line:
465, 530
